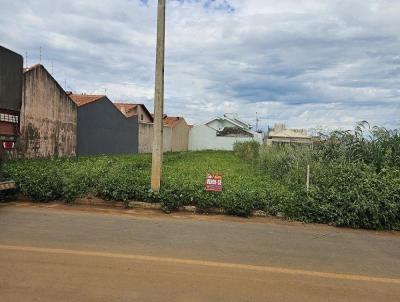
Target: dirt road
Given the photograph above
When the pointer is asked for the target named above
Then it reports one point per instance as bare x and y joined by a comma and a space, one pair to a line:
67, 255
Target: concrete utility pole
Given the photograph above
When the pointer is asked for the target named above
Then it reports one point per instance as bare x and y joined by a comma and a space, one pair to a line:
156, 167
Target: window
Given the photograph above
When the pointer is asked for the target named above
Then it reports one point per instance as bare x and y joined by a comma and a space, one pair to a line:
8, 118
141, 117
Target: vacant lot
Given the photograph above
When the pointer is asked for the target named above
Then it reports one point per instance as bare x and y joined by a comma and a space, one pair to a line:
123, 178
354, 181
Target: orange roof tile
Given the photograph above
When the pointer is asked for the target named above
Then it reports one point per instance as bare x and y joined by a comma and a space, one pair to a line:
172, 121
164, 115
83, 99
125, 108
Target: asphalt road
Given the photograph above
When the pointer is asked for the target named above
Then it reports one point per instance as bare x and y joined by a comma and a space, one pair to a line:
52, 254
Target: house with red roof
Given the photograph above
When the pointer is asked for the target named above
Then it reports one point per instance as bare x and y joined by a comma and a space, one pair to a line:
179, 128
102, 128
139, 110
175, 131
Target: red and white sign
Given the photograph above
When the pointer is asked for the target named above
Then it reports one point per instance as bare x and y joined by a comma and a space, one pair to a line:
214, 183
8, 145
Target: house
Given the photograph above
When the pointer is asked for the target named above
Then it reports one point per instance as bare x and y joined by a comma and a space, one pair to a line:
139, 110
175, 131
102, 128
221, 134
179, 133
48, 116
145, 124
11, 70
175, 135
280, 135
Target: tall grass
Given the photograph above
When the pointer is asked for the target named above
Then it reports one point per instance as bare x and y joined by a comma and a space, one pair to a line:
355, 177
376, 146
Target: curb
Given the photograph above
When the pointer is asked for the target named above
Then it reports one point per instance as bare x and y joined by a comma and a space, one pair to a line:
95, 201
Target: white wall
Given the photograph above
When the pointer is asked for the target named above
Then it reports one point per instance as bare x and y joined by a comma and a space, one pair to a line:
203, 137
219, 124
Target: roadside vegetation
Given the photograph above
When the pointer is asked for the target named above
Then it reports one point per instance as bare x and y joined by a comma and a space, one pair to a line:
125, 178
355, 179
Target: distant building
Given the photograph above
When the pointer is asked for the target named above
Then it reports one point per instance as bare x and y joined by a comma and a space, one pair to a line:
139, 110
11, 69
175, 135
179, 137
102, 128
221, 134
280, 135
175, 131
48, 116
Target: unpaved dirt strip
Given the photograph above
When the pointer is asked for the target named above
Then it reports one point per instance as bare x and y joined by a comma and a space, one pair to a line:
267, 269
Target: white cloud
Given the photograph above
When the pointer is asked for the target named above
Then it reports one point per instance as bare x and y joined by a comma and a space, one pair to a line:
305, 62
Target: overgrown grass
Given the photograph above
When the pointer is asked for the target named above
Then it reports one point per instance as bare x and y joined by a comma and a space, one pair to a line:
124, 178
355, 177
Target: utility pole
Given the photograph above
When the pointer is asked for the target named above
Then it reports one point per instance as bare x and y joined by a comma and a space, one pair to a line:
157, 153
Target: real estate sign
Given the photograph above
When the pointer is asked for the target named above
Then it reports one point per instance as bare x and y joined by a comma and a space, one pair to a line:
214, 183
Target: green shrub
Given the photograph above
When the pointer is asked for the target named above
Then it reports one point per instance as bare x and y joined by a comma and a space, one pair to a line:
355, 195
286, 163
355, 180
40, 180
247, 150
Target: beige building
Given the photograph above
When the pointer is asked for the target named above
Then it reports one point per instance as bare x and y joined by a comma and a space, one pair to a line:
48, 117
139, 110
146, 138
175, 135
175, 131
179, 133
280, 135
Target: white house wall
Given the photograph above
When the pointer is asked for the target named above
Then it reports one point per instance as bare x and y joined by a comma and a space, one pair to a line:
220, 124
203, 137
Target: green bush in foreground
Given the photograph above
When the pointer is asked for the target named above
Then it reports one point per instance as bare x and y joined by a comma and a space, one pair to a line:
354, 181
355, 178
125, 178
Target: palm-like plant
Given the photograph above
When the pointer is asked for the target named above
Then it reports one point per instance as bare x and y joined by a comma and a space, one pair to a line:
376, 146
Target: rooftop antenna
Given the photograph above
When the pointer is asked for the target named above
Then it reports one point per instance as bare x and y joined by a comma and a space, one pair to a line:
40, 55
105, 91
65, 84
26, 59
52, 68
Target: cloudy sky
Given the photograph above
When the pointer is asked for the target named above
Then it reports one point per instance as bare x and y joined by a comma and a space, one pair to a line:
308, 63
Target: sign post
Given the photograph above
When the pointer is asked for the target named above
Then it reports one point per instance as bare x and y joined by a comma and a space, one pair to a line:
214, 183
